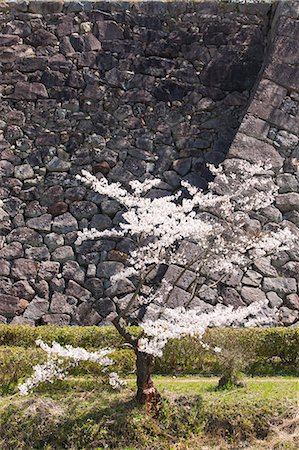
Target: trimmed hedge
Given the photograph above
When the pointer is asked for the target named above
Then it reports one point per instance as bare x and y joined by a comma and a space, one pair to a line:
266, 351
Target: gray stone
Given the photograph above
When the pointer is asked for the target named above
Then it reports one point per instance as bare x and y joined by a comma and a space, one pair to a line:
100, 222
20, 320
8, 305
109, 30
178, 297
25, 235
57, 284
60, 320
95, 286
23, 172
108, 268
272, 214
253, 150
280, 285
288, 316
48, 270
59, 304
252, 294
29, 91
63, 254
65, 223
121, 287
288, 202
57, 209
234, 278
41, 223
91, 270
12, 251
77, 291
38, 253
34, 209
231, 297
52, 195
286, 140
42, 289
109, 208
58, 165
83, 209
274, 300
263, 265
176, 275
86, 315
53, 240
36, 309
23, 269
252, 278
4, 268
287, 183
292, 301
72, 271
22, 289
6, 168
75, 193
104, 307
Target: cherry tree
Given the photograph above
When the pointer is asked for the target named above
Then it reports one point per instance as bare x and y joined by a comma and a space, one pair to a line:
216, 224
210, 232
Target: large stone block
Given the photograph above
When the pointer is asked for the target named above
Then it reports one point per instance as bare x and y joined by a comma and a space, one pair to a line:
24, 269
288, 202
280, 285
29, 91
254, 150
36, 308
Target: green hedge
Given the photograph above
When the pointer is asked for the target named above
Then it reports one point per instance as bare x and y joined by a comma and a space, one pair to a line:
266, 351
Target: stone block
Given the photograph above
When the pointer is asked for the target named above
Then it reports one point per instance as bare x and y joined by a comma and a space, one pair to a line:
65, 223
77, 291
60, 320
24, 269
36, 309
41, 223
280, 285
63, 254
287, 202
253, 150
29, 91
252, 294
8, 305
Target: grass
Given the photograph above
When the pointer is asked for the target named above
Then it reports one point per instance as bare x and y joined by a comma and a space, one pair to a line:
81, 413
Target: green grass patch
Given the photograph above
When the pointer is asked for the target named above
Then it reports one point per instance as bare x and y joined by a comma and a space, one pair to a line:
82, 413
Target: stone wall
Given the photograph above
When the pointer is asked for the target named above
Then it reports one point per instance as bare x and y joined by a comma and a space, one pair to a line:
125, 90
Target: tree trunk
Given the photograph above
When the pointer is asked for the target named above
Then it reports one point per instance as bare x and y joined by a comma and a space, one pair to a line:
143, 368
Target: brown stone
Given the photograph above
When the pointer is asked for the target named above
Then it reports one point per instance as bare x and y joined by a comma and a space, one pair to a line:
292, 301
57, 209
29, 91
102, 167
22, 305
8, 305
23, 269
115, 255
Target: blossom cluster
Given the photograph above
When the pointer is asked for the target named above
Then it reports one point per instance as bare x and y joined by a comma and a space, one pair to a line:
59, 359
218, 223
177, 322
